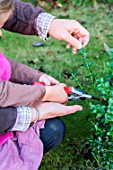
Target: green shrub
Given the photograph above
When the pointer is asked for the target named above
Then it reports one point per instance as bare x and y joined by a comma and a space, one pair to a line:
101, 118
101, 140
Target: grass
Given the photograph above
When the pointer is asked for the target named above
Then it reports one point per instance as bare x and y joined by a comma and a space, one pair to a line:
56, 60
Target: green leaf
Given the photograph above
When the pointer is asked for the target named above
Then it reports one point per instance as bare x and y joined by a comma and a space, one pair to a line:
110, 133
107, 49
90, 63
85, 54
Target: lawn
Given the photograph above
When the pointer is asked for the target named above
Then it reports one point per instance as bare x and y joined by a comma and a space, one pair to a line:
54, 59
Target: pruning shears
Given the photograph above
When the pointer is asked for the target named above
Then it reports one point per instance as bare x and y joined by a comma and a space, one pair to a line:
74, 93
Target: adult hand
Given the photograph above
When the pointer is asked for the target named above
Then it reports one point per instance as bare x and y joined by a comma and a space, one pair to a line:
70, 31
48, 80
56, 93
50, 110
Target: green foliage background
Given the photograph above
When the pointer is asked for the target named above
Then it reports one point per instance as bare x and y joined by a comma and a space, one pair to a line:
76, 2
56, 60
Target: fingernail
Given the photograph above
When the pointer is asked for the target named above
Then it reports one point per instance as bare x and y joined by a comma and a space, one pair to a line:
80, 108
79, 46
74, 52
67, 47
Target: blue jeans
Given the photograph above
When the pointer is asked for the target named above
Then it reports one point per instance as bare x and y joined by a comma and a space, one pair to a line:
53, 133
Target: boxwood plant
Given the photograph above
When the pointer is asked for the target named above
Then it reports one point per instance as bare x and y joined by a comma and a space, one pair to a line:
101, 118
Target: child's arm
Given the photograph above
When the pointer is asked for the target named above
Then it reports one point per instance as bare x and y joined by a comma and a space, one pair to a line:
21, 92
23, 74
12, 94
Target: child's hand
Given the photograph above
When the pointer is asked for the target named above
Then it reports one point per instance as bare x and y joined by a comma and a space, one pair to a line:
50, 110
48, 80
56, 93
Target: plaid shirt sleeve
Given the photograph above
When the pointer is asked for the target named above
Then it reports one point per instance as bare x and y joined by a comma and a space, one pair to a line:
43, 22
23, 119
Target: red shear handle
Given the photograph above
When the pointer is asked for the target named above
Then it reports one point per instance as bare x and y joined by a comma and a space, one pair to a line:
68, 90
38, 83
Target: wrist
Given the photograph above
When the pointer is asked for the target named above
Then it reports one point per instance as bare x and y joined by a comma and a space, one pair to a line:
52, 25
43, 22
33, 118
47, 93
35, 115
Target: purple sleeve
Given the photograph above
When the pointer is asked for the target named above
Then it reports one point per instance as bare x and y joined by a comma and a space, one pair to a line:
23, 74
23, 19
8, 117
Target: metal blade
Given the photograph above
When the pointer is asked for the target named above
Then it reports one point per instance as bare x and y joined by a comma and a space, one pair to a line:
97, 98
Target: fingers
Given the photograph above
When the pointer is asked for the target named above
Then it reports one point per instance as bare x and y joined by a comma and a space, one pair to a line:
53, 81
70, 31
84, 40
63, 85
48, 80
77, 43
51, 109
83, 34
72, 41
73, 109
0, 32
74, 51
78, 37
68, 45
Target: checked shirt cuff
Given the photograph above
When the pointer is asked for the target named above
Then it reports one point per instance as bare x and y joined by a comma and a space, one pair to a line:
23, 119
43, 22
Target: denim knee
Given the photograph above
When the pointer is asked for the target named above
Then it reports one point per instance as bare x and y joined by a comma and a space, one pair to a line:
58, 129
53, 134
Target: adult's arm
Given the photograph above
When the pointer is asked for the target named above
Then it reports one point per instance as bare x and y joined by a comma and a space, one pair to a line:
31, 20
16, 119
23, 74
24, 18
12, 94
20, 92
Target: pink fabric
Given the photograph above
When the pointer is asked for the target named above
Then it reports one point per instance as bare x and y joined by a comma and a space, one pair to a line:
24, 151
5, 137
5, 68
5, 74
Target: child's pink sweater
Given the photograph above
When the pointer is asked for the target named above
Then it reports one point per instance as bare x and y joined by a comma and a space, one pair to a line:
5, 68
24, 150
5, 75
